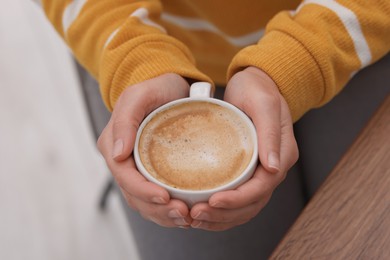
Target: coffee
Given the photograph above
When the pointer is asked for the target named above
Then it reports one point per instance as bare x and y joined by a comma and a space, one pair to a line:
196, 146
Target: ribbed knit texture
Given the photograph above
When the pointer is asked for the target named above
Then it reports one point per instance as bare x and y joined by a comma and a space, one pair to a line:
147, 57
310, 53
293, 69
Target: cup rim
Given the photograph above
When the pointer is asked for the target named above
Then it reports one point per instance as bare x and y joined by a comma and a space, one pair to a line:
230, 185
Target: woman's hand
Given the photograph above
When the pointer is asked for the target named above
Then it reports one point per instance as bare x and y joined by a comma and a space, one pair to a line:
116, 144
255, 93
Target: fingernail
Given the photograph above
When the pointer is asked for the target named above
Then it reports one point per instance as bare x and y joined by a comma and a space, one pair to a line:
183, 227
174, 213
196, 224
197, 215
180, 222
217, 205
118, 148
202, 216
273, 160
158, 200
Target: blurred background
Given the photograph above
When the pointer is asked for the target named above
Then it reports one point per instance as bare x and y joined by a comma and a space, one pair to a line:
51, 174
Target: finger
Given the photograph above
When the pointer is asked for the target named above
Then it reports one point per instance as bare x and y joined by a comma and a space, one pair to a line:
263, 183
144, 197
127, 176
136, 102
260, 100
289, 146
173, 214
215, 226
268, 129
203, 212
258, 188
129, 179
126, 118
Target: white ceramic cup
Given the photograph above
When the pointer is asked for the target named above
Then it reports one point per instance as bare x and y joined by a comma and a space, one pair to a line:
200, 91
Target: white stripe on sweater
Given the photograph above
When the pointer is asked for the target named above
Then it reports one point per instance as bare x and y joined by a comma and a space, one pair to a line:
196, 25
202, 25
143, 15
71, 12
351, 24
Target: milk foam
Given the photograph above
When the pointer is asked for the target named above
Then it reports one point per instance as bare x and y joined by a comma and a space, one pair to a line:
196, 146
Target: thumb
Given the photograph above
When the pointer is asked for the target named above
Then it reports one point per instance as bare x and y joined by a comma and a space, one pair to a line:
135, 103
124, 138
260, 100
126, 118
129, 111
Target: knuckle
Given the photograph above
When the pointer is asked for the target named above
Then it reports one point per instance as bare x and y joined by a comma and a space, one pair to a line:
273, 100
272, 134
119, 123
130, 93
269, 98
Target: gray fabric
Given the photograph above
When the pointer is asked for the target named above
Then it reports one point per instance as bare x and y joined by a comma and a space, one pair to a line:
254, 240
323, 135
98, 113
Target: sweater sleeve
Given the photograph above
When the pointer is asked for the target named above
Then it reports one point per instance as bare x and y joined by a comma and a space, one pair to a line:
312, 52
120, 43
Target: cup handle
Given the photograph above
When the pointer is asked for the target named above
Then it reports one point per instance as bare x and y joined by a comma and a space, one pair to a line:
200, 90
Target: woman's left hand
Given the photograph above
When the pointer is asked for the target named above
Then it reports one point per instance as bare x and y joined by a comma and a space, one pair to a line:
255, 93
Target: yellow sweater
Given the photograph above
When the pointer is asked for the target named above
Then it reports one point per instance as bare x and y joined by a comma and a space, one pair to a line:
310, 49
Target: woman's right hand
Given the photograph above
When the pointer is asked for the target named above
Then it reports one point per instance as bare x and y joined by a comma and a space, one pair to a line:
116, 144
